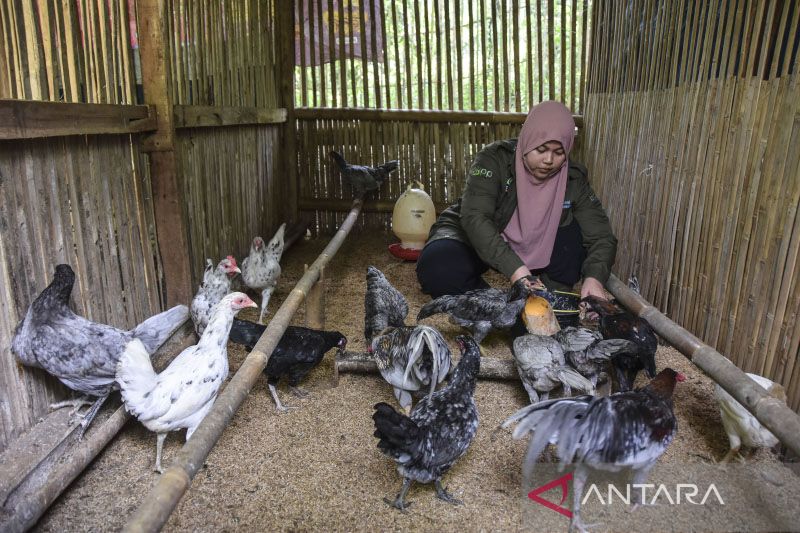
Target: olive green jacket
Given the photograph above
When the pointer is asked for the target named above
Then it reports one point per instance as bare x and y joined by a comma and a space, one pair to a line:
489, 201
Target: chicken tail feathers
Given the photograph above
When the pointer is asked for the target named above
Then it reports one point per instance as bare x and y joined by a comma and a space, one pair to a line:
337, 157
388, 167
155, 331
135, 375
396, 432
246, 333
441, 304
573, 379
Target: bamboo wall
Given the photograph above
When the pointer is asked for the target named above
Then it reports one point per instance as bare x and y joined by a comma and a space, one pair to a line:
74, 191
465, 73
693, 110
68, 200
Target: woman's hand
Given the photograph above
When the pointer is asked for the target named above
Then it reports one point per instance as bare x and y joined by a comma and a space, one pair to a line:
592, 287
524, 272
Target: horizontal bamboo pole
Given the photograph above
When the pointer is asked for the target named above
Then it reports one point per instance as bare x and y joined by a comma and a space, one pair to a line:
364, 363
154, 511
771, 412
203, 116
414, 115
54, 473
23, 119
370, 206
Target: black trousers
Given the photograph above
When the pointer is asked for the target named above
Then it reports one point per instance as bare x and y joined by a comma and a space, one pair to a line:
448, 266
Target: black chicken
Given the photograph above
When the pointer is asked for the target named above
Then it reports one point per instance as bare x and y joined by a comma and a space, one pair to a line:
384, 306
296, 354
82, 354
627, 430
438, 432
481, 310
587, 352
616, 323
363, 178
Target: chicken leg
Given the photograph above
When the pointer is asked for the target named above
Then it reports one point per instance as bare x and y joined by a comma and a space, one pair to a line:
159, 444
75, 403
278, 405
445, 496
399, 502
89, 416
578, 481
265, 296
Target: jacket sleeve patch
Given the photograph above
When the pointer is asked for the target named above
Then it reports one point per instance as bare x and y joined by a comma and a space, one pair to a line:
480, 171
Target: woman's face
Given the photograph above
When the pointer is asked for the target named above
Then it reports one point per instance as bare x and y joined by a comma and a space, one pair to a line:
545, 159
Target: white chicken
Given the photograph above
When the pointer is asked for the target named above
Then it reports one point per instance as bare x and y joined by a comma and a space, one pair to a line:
181, 395
741, 426
261, 269
216, 284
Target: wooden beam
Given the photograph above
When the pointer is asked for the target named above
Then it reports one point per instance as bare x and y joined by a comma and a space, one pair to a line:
285, 13
370, 206
25, 119
171, 225
364, 363
415, 115
202, 116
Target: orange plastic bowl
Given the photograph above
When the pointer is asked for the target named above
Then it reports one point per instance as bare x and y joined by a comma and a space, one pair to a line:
406, 254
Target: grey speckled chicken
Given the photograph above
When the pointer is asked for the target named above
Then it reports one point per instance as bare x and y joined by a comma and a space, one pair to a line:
384, 306
82, 354
481, 310
261, 269
627, 430
362, 178
542, 367
216, 284
411, 358
587, 352
438, 432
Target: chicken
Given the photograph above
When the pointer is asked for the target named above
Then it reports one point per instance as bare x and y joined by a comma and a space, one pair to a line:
410, 359
438, 432
362, 178
616, 323
587, 352
481, 310
741, 426
384, 305
216, 284
261, 269
542, 367
627, 430
82, 354
298, 352
181, 395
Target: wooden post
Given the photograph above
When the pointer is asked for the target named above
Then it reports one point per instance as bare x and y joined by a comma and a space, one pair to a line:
285, 15
315, 303
173, 241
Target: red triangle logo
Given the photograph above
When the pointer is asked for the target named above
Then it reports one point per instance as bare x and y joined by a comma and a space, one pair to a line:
562, 482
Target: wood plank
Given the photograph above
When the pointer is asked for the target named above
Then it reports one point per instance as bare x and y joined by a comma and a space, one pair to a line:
23, 119
201, 116
341, 205
422, 115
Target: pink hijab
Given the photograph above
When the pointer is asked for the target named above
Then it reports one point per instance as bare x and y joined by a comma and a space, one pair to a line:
531, 232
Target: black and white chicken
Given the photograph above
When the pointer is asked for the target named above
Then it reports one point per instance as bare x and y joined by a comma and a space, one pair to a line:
542, 367
481, 310
617, 323
83, 354
362, 178
384, 306
627, 430
261, 269
587, 352
180, 396
411, 359
216, 284
438, 432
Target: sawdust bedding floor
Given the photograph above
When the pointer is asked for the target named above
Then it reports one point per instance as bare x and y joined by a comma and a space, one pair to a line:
317, 467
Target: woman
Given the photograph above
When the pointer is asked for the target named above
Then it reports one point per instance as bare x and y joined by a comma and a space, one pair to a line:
526, 210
